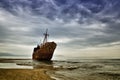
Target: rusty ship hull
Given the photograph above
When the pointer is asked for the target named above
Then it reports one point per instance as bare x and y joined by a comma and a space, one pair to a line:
45, 51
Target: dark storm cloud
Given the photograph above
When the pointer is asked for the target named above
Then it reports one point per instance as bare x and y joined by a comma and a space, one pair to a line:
80, 22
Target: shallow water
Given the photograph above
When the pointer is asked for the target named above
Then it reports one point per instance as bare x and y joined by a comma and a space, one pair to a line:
13, 66
88, 69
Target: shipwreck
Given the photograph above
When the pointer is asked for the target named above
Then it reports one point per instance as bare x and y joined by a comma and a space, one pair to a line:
45, 50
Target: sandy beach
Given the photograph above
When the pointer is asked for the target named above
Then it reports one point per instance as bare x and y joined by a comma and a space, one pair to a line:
24, 74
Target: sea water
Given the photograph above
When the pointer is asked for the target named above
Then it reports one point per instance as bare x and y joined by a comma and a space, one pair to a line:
89, 69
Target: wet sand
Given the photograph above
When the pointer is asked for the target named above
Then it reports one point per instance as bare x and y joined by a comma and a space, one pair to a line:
24, 74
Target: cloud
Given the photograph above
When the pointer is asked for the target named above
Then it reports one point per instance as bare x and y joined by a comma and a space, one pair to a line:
86, 24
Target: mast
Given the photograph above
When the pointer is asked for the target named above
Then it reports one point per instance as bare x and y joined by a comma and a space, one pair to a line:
46, 35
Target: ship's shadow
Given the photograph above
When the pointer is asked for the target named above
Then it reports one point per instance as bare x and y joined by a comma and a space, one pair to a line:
42, 64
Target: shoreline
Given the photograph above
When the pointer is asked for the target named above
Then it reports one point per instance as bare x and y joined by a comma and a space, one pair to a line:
20, 70
28, 69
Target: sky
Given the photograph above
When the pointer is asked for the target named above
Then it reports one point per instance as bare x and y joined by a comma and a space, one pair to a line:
81, 28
